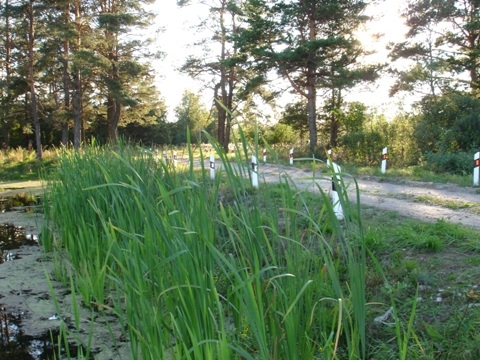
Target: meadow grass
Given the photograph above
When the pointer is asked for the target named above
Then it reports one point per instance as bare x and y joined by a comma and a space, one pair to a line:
414, 173
22, 164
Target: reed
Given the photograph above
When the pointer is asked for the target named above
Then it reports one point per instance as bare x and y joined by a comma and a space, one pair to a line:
203, 269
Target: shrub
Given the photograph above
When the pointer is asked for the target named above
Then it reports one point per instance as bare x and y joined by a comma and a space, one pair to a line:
460, 163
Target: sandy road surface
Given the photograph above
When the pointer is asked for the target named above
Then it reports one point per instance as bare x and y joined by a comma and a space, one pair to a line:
402, 198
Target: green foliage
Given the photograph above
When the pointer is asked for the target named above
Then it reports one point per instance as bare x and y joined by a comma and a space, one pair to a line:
20, 164
363, 148
459, 163
403, 150
295, 115
191, 114
281, 134
355, 117
88, 71
439, 43
448, 123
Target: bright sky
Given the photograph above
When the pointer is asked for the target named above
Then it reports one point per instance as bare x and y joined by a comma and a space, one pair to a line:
178, 36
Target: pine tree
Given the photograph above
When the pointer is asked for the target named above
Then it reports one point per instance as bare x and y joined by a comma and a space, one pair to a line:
311, 44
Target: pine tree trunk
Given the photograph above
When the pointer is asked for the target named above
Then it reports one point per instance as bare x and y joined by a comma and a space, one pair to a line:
6, 98
31, 79
77, 88
113, 118
223, 115
66, 83
77, 111
311, 92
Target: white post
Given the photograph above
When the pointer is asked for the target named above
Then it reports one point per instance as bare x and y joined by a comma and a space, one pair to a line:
165, 156
254, 166
291, 156
174, 159
384, 160
337, 206
476, 168
212, 167
264, 155
156, 155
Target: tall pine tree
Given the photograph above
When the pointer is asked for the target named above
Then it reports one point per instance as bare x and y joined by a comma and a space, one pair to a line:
311, 44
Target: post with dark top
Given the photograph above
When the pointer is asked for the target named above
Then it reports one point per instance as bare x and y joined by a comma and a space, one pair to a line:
254, 165
212, 167
384, 160
337, 206
476, 169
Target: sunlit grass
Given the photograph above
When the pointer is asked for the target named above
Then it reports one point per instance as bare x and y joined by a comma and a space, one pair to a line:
22, 164
413, 173
450, 204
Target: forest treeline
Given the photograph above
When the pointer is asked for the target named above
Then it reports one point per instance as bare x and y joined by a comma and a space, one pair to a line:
72, 70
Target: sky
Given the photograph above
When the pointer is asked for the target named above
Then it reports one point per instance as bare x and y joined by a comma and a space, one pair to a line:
178, 35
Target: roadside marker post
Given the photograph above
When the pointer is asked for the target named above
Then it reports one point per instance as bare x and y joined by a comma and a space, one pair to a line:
156, 155
212, 167
165, 156
476, 169
384, 160
337, 206
264, 155
254, 165
174, 159
291, 156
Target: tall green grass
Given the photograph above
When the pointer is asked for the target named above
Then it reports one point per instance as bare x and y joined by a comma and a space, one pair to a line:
208, 269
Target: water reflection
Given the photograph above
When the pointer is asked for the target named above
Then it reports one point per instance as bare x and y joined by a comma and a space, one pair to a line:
13, 237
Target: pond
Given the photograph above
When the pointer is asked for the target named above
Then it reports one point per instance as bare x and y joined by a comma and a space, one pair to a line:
23, 335
15, 342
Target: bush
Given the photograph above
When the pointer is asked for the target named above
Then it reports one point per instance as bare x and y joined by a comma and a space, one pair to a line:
460, 163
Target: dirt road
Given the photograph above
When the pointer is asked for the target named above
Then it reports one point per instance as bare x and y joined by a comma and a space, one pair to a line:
419, 200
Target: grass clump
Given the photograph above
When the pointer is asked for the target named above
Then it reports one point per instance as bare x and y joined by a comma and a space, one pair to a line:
449, 204
437, 283
202, 269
